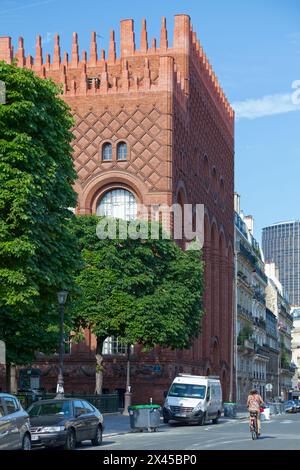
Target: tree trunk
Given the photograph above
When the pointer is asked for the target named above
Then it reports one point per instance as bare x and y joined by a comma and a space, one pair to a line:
99, 366
7, 377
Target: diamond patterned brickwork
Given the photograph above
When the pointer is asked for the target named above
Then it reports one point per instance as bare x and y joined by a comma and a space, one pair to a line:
142, 128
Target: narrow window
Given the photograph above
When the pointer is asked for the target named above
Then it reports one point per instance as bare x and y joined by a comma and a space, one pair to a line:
107, 152
122, 151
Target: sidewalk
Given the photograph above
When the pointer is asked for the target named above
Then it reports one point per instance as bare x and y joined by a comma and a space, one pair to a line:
115, 424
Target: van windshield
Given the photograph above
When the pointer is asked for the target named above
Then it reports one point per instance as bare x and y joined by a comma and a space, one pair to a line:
187, 391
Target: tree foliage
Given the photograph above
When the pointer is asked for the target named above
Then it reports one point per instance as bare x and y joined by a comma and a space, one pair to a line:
142, 291
37, 250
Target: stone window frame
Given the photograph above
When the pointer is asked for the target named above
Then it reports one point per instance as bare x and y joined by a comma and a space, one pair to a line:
114, 151
106, 143
118, 142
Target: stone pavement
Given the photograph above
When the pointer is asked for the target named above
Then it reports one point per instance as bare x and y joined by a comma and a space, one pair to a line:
116, 423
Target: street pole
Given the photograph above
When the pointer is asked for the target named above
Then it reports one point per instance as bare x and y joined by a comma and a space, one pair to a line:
128, 394
60, 380
2, 92
62, 297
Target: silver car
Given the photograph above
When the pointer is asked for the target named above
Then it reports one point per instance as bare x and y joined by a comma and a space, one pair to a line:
14, 424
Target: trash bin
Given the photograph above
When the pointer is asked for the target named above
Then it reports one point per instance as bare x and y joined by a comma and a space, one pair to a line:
229, 410
144, 417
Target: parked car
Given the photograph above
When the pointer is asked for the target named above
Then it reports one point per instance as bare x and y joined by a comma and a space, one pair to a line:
297, 405
289, 406
64, 423
14, 424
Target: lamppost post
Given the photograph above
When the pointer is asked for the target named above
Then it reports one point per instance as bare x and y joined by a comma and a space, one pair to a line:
128, 394
62, 297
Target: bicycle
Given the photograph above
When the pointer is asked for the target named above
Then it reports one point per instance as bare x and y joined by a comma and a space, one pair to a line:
253, 425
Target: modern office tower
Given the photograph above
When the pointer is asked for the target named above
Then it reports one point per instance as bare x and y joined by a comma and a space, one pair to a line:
281, 245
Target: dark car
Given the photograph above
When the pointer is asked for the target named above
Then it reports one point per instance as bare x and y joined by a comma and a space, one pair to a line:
297, 405
289, 406
14, 424
64, 423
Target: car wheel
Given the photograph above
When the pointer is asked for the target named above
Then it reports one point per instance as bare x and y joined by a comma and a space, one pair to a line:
216, 420
166, 420
97, 441
203, 419
71, 440
26, 443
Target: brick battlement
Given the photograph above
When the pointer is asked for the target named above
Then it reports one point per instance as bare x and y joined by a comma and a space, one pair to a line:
146, 69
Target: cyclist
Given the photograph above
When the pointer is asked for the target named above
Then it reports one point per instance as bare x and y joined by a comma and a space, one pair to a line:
254, 402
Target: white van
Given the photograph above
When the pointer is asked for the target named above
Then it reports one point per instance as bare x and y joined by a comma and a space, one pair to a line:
193, 398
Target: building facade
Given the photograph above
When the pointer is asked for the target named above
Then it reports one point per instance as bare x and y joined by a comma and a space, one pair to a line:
273, 346
281, 245
153, 127
252, 352
278, 304
296, 348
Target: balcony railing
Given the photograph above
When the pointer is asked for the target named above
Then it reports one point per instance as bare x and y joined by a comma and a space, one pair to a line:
247, 254
259, 322
257, 295
245, 312
261, 273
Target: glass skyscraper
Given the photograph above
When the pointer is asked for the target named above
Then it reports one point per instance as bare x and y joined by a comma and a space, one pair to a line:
281, 245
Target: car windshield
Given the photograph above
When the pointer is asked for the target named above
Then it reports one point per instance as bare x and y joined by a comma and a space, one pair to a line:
187, 391
57, 408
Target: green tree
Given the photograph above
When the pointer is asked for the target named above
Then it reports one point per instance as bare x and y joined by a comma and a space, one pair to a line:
141, 291
38, 251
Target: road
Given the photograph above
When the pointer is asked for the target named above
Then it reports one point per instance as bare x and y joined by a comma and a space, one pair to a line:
282, 432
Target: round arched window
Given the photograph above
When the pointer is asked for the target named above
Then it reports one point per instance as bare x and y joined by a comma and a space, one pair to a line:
118, 203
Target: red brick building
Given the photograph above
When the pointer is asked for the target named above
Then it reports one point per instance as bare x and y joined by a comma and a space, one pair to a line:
153, 127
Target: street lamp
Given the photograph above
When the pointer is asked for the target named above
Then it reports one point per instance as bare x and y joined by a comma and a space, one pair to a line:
128, 394
61, 297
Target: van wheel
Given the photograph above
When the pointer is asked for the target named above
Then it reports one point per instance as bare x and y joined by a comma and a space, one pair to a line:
216, 420
203, 419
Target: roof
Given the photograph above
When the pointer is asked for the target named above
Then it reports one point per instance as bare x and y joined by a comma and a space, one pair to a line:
283, 223
54, 400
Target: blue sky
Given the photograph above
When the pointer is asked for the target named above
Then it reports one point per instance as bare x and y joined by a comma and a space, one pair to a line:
254, 48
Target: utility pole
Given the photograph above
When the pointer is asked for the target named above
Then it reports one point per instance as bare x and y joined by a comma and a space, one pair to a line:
2, 92
128, 394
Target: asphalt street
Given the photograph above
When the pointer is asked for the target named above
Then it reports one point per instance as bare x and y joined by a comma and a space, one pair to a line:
282, 432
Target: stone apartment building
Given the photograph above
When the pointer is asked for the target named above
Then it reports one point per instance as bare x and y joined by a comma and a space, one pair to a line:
273, 366
278, 304
296, 348
153, 126
252, 352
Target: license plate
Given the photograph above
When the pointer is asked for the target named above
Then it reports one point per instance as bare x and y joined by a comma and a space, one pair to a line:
34, 438
183, 415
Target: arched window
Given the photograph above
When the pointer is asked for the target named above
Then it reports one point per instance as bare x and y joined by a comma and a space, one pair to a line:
118, 203
121, 151
107, 152
206, 172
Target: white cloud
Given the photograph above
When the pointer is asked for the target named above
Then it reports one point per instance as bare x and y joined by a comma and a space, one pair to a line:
268, 105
